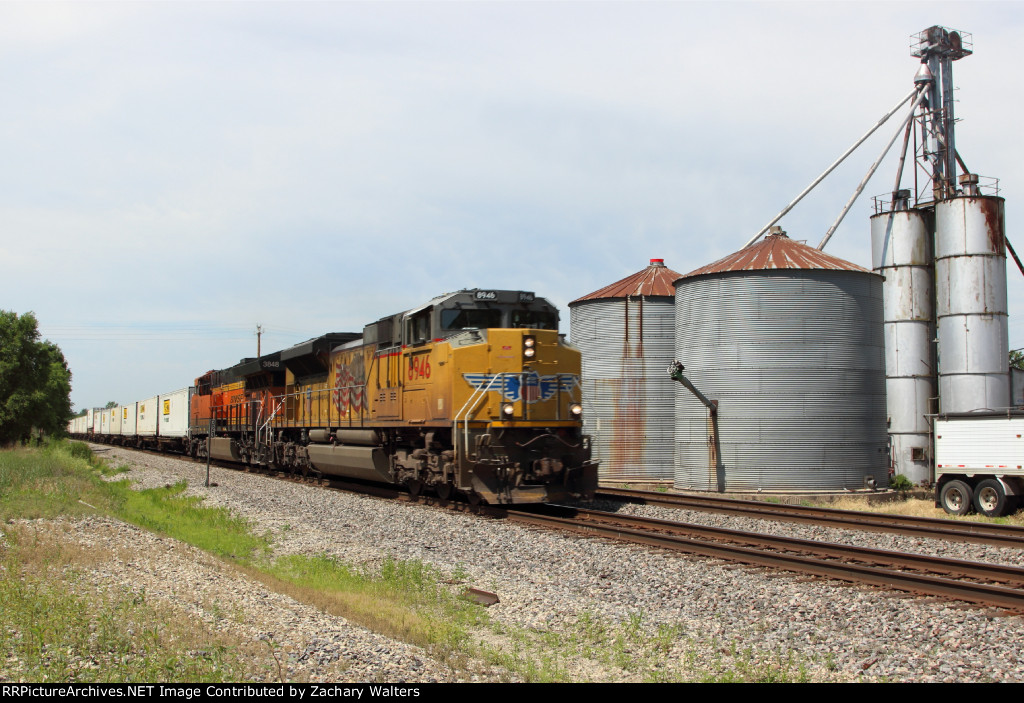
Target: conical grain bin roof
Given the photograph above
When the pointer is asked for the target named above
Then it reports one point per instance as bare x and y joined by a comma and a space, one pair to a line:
776, 251
656, 279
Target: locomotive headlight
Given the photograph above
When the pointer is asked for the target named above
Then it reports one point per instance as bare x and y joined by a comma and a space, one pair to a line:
576, 409
529, 347
507, 409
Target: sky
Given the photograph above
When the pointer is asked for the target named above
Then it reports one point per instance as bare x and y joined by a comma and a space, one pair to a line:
177, 173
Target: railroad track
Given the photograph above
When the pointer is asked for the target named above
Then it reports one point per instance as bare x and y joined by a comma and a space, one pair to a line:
950, 530
973, 582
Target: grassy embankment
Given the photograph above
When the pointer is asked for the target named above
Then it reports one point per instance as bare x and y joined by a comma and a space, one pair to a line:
59, 628
922, 507
57, 624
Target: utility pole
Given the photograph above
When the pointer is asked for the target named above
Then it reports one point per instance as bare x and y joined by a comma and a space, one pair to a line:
259, 333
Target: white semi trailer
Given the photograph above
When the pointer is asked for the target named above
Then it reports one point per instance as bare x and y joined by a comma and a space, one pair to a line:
979, 462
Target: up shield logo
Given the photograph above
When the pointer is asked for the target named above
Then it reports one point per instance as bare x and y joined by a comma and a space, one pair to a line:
530, 387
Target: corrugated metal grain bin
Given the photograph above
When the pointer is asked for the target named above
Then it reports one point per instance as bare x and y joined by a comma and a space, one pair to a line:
625, 332
788, 341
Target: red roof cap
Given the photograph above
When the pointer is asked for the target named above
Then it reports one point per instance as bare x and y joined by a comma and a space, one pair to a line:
655, 280
776, 251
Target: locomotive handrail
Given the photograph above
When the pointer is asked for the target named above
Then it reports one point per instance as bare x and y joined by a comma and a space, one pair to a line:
482, 390
474, 399
318, 394
266, 425
478, 393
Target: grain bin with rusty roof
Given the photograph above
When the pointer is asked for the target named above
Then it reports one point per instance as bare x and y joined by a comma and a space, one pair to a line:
786, 342
625, 332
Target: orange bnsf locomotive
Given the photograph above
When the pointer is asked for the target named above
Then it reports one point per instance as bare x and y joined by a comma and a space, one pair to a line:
474, 392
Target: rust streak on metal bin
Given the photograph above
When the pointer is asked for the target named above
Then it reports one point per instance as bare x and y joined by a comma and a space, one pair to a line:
901, 246
970, 274
624, 332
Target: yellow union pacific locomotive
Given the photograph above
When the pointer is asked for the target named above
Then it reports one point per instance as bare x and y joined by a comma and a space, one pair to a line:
474, 392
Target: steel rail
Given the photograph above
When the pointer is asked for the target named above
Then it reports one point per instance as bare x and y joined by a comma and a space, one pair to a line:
935, 528
979, 593
937, 565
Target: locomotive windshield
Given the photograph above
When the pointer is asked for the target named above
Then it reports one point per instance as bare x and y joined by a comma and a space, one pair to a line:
470, 319
534, 319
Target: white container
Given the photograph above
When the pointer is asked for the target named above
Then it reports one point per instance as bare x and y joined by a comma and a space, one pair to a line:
115, 421
173, 413
147, 418
128, 419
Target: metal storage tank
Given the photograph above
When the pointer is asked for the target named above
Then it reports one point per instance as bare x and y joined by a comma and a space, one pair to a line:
901, 251
787, 340
625, 332
970, 275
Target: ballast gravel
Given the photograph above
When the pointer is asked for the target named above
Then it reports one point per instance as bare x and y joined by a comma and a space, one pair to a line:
968, 551
710, 619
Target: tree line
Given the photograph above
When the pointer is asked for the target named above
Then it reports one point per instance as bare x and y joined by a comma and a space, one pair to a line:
35, 382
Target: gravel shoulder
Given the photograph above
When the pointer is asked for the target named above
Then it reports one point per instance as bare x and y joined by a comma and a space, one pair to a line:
658, 616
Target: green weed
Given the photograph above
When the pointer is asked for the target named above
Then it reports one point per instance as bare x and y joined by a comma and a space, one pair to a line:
53, 629
404, 599
900, 482
166, 511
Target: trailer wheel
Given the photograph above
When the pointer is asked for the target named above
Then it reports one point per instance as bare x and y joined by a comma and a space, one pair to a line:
956, 498
990, 498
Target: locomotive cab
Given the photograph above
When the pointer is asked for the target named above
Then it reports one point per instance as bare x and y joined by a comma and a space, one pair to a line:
450, 314
494, 394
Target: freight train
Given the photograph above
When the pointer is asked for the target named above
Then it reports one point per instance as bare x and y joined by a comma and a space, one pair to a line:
474, 392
